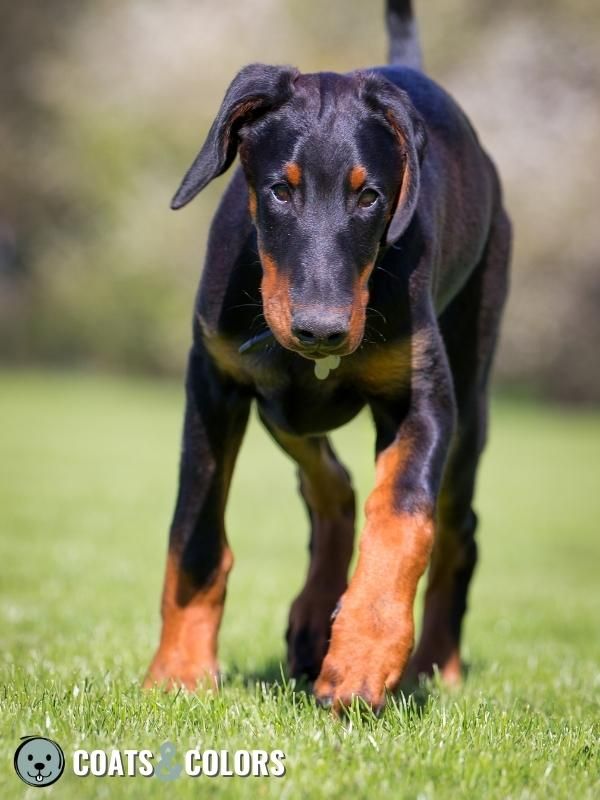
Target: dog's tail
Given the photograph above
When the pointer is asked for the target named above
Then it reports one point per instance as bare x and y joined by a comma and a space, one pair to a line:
405, 49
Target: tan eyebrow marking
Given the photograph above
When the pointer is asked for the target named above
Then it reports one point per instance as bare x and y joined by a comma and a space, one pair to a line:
293, 172
357, 176
252, 204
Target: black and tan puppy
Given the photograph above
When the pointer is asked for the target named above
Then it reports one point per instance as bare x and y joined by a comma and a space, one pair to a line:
367, 223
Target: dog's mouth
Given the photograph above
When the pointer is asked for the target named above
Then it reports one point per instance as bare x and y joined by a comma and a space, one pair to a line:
317, 351
39, 776
267, 338
335, 346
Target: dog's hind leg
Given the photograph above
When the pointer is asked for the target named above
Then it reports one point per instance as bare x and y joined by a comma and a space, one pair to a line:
199, 557
470, 327
329, 498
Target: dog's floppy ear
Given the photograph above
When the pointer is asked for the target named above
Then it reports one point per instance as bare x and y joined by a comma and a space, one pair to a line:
406, 123
254, 91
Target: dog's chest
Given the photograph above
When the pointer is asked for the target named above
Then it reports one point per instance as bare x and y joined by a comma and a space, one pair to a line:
288, 392
292, 396
310, 406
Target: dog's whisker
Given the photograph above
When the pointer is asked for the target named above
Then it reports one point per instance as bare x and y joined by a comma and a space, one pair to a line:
249, 296
376, 311
370, 329
387, 272
244, 305
257, 320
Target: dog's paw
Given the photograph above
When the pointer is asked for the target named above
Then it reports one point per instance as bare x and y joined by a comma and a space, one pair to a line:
369, 648
173, 671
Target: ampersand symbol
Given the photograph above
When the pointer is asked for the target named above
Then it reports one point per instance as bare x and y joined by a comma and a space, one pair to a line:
165, 769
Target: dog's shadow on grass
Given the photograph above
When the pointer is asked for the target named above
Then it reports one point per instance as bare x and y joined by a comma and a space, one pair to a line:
414, 696
273, 675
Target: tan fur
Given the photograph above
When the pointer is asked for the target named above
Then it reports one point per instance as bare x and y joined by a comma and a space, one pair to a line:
373, 635
357, 177
275, 288
293, 173
252, 202
187, 652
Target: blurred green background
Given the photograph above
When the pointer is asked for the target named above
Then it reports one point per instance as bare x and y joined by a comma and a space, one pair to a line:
105, 104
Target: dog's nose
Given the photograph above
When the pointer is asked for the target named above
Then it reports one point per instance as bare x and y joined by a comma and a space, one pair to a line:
309, 339
320, 331
39, 766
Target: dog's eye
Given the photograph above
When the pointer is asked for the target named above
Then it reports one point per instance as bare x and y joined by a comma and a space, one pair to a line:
48, 758
281, 192
30, 757
368, 198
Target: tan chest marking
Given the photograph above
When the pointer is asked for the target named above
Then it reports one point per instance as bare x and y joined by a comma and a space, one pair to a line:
387, 368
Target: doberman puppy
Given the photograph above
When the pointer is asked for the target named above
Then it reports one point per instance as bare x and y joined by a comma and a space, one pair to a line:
364, 234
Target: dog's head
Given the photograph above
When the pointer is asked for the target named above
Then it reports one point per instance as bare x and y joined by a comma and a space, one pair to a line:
39, 761
332, 164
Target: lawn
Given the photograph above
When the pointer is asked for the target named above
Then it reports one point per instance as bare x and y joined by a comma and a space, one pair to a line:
88, 476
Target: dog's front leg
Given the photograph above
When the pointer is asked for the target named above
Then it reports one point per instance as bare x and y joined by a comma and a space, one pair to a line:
373, 633
199, 558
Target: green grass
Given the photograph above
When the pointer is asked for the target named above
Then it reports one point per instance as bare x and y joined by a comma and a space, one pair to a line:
88, 471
